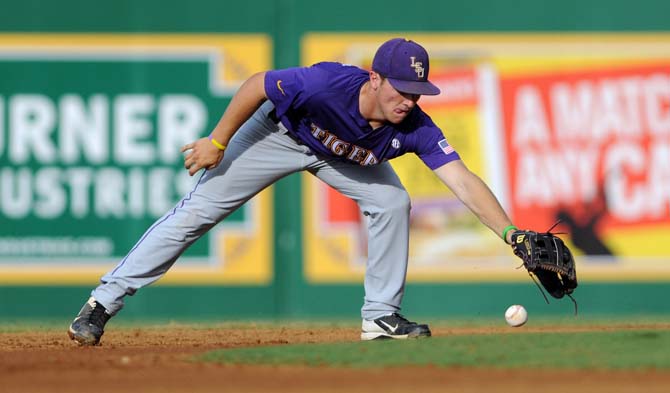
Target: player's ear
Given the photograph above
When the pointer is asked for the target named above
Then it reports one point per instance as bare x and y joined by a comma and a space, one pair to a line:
375, 80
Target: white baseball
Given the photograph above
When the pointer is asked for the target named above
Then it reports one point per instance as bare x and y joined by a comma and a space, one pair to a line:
516, 315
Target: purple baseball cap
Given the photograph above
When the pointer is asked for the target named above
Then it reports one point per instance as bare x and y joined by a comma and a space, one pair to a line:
405, 64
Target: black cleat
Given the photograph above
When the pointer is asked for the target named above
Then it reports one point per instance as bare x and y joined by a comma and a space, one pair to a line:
393, 326
88, 326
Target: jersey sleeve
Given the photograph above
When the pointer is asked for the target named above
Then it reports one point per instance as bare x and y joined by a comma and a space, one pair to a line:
286, 88
434, 150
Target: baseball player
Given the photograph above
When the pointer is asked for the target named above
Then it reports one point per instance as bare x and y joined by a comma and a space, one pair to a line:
338, 122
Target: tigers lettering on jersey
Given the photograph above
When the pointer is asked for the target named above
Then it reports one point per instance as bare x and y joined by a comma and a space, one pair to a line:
339, 147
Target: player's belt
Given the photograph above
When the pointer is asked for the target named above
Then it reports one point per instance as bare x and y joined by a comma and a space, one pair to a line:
272, 115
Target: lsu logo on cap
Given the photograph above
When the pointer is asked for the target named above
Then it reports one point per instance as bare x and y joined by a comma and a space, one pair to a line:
446, 148
418, 67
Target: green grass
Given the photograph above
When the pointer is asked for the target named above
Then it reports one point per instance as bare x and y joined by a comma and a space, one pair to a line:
120, 322
637, 349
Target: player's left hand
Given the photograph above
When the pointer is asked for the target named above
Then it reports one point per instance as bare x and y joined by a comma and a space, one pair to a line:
201, 154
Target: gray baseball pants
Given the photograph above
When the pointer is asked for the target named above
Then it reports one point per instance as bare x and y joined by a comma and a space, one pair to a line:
259, 154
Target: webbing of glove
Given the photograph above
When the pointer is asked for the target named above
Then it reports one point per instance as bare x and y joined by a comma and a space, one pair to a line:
553, 255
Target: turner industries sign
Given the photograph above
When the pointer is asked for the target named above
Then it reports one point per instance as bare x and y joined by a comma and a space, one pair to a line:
102, 156
90, 131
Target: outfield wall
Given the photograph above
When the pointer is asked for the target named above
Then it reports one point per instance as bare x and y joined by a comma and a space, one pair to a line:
96, 99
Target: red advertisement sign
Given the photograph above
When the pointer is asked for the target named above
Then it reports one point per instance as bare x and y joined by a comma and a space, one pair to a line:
589, 147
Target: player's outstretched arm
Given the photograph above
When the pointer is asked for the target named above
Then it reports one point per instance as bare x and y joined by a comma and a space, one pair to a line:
207, 152
476, 195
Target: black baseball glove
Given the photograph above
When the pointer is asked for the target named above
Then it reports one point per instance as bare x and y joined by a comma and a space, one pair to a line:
546, 257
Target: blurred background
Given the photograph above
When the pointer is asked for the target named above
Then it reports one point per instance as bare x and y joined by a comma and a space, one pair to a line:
563, 108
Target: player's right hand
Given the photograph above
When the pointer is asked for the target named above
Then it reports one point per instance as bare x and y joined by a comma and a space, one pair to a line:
201, 154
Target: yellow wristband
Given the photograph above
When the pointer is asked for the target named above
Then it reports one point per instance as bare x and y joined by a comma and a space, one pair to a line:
507, 229
216, 143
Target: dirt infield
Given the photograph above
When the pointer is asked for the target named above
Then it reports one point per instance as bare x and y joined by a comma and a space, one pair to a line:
158, 359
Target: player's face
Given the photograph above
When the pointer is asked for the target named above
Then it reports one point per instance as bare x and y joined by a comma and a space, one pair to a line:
395, 105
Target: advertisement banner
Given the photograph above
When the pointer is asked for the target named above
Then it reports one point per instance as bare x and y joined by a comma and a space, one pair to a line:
90, 131
592, 149
565, 128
